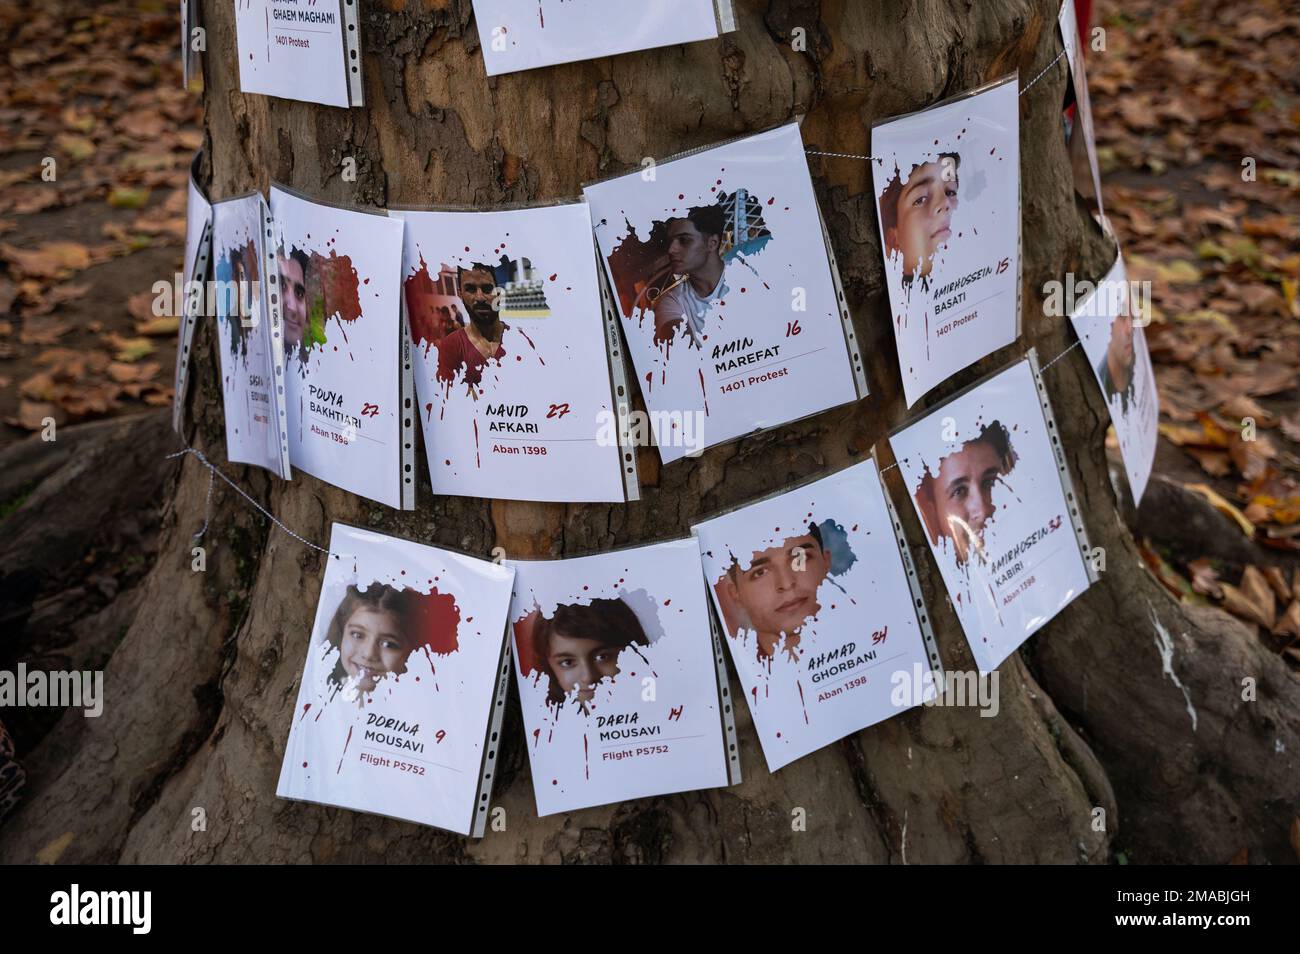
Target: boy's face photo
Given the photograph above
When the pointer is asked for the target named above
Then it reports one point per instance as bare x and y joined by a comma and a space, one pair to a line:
963, 494
923, 222
779, 589
579, 663
372, 647
688, 249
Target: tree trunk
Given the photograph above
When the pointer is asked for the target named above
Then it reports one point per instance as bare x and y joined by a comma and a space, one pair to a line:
1126, 702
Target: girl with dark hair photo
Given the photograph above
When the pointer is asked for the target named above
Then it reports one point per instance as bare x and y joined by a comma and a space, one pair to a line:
372, 630
579, 646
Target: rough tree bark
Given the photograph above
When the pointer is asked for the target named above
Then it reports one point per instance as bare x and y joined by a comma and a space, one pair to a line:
1125, 702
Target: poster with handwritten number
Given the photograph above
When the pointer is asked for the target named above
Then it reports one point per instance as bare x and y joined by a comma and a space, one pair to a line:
947, 184
982, 474
508, 351
726, 291
401, 672
621, 693
816, 611
340, 291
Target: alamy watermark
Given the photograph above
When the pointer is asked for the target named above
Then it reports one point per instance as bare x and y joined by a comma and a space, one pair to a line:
661, 428
1102, 299
925, 687
59, 689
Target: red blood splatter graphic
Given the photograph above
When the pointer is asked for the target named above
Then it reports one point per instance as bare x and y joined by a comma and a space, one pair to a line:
345, 751
339, 285
304, 711
585, 760
478, 461
801, 702
432, 622
534, 347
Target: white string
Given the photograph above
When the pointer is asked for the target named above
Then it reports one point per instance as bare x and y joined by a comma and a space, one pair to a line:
216, 472
841, 155
1043, 73
1076, 344
852, 155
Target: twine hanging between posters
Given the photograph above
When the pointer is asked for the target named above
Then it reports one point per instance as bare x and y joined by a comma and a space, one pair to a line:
216, 472
852, 155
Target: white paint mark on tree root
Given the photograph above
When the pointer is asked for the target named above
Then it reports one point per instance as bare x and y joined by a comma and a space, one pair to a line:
1165, 646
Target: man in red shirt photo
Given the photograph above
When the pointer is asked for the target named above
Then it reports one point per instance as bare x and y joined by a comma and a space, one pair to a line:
470, 347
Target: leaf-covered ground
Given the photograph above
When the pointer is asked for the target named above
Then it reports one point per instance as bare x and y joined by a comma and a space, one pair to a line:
96, 137
1197, 109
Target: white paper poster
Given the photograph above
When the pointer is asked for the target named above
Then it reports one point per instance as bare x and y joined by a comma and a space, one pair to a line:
508, 347
984, 479
300, 49
622, 694
817, 611
947, 183
194, 277
340, 282
1117, 351
248, 335
1083, 145
397, 695
722, 276
524, 34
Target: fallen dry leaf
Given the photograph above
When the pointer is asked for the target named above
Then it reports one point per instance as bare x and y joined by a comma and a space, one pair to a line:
1276, 579
51, 260
1223, 506
1256, 589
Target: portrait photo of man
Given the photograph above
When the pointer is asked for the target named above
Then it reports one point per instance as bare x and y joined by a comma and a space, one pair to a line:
466, 350
698, 273
293, 295
776, 594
